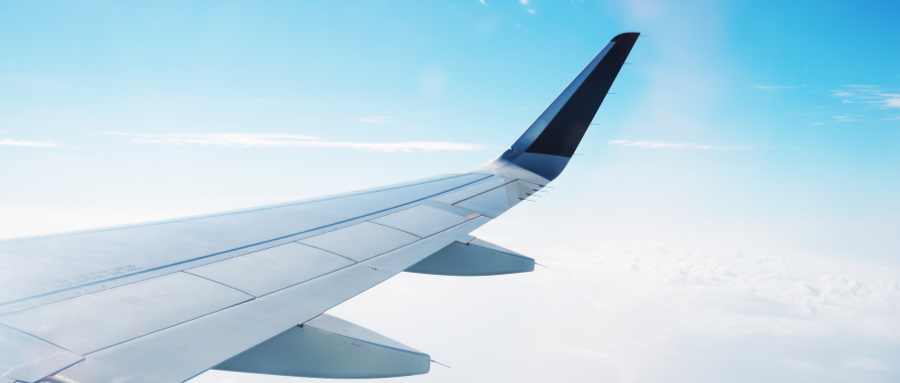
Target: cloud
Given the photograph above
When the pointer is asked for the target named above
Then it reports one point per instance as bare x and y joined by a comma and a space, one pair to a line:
891, 100
292, 141
524, 2
660, 145
482, 2
31, 82
27, 143
867, 364
376, 119
773, 87
673, 145
434, 81
800, 364
867, 94
532, 11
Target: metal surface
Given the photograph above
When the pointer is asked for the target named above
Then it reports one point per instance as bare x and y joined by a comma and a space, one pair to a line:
93, 322
475, 258
185, 350
272, 269
491, 203
421, 221
362, 241
329, 347
28, 359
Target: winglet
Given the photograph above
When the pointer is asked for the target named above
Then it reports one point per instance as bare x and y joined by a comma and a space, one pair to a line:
548, 144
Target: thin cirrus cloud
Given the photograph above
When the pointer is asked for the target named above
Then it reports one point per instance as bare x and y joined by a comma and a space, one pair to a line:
376, 119
891, 100
773, 87
29, 143
292, 141
531, 10
867, 94
867, 364
673, 145
31, 81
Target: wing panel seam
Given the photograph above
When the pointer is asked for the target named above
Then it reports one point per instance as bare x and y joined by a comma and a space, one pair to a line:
217, 282
491, 189
391, 227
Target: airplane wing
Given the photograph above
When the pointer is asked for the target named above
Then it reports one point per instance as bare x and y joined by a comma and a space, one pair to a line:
247, 290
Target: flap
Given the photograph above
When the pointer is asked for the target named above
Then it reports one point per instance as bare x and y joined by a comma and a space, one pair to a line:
29, 359
330, 347
474, 258
96, 321
361, 241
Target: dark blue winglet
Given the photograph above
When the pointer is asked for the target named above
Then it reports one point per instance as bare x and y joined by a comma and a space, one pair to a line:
551, 140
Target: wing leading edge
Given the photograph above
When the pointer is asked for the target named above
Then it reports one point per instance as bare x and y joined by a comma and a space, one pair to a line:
166, 301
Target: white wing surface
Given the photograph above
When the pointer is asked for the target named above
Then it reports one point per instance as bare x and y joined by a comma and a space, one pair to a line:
165, 301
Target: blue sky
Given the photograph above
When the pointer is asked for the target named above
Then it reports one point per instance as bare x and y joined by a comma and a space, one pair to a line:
745, 170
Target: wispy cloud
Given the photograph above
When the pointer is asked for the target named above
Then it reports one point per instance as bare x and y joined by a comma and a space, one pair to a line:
673, 145
482, 2
292, 141
867, 364
28, 143
532, 11
867, 94
865, 103
773, 87
800, 364
376, 119
660, 145
30, 81
891, 100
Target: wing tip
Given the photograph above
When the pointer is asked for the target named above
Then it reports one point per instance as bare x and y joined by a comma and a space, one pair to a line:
626, 36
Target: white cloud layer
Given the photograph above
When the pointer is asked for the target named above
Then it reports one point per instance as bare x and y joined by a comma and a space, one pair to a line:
291, 141
611, 309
